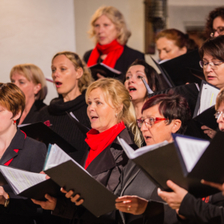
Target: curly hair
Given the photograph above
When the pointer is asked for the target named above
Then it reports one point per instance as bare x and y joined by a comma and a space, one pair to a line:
217, 12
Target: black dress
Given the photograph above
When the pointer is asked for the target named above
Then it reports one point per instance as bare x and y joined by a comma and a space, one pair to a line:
61, 123
128, 56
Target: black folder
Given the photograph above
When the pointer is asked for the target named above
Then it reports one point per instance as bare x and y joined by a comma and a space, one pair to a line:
104, 70
166, 163
43, 133
183, 69
38, 191
97, 199
189, 91
207, 118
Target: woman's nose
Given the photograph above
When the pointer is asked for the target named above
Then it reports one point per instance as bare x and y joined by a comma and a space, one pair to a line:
162, 55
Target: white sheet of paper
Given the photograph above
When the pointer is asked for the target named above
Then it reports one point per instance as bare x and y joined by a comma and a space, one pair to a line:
57, 156
191, 150
20, 179
131, 153
208, 97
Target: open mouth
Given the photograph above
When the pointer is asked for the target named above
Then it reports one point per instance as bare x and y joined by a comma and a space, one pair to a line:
131, 89
93, 118
147, 137
210, 77
58, 84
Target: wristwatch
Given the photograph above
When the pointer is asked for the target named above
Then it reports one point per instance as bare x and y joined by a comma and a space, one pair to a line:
7, 202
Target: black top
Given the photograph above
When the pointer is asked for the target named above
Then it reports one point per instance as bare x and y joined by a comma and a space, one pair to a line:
26, 154
34, 111
128, 56
62, 124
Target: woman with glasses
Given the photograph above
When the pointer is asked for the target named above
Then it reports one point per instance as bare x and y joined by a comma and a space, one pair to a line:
212, 55
215, 23
195, 209
162, 115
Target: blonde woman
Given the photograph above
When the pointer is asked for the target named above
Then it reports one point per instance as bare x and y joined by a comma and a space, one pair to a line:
111, 114
71, 78
30, 79
111, 34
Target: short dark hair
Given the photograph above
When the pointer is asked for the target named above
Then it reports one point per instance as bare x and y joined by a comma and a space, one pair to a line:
171, 107
153, 77
12, 98
217, 12
214, 47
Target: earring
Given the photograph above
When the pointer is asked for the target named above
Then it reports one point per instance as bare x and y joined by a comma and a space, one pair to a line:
14, 121
115, 115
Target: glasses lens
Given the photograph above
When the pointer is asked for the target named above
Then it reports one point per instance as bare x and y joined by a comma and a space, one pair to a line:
201, 63
139, 122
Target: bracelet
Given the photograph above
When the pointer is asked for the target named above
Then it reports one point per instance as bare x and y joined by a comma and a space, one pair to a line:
7, 202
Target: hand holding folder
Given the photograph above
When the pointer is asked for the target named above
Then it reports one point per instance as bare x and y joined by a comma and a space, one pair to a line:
185, 161
64, 172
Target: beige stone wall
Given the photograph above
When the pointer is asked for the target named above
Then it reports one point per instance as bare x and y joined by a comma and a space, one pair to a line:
32, 31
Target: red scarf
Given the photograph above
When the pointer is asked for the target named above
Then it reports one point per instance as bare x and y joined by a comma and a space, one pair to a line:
99, 141
113, 51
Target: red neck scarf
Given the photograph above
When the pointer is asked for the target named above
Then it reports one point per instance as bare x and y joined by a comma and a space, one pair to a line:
113, 51
99, 141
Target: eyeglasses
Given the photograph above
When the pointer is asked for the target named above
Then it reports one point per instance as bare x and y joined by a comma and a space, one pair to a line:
214, 65
218, 114
220, 31
150, 121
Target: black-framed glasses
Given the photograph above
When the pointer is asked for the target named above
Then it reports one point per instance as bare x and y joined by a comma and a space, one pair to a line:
214, 65
150, 121
218, 114
220, 31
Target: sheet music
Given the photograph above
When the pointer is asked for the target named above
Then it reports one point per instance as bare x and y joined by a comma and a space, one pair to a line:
131, 153
21, 180
208, 97
191, 150
57, 156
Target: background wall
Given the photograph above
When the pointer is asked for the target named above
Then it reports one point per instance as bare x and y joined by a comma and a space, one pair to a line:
133, 11
32, 32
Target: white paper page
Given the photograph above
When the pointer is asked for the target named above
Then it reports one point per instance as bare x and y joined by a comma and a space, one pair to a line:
57, 156
191, 150
208, 97
20, 179
131, 153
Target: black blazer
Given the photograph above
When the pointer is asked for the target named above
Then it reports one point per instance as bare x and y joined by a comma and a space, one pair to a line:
197, 211
135, 182
27, 154
128, 56
105, 168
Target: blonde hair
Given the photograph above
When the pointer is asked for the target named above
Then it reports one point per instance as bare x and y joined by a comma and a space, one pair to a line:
116, 18
33, 74
86, 78
116, 93
219, 99
12, 98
